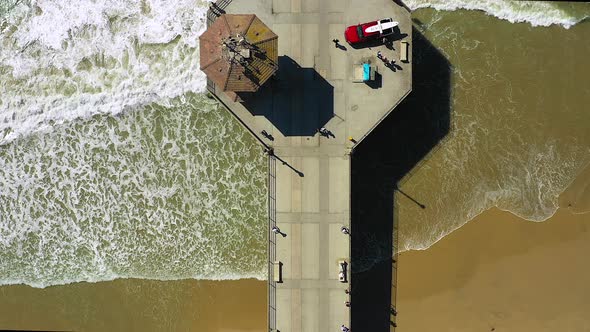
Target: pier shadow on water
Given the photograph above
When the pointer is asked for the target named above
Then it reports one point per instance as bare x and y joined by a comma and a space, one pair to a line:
297, 100
395, 148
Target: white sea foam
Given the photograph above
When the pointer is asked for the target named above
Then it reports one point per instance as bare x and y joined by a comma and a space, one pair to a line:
156, 193
60, 61
537, 13
507, 149
511, 169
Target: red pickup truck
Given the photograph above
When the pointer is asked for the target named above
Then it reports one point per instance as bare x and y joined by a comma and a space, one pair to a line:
361, 33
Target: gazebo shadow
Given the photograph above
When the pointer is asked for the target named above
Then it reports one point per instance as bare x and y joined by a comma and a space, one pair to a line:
395, 149
297, 101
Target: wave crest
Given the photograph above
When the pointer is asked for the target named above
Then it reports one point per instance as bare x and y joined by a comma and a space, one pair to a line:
536, 13
60, 62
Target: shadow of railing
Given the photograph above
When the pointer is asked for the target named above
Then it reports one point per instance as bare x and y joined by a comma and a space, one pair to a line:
216, 9
399, 144
297, 101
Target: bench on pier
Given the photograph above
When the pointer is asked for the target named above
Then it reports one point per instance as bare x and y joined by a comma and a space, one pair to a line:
404, 51
277, 275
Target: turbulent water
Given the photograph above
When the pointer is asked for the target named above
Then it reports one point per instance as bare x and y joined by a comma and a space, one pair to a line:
112, 164
151, 180
537, 13
61, 61
520, 130
162, 192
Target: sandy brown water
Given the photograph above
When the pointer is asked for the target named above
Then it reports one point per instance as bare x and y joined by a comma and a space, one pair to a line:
504, 273
521, 137
520, 128
500, 272
137, 305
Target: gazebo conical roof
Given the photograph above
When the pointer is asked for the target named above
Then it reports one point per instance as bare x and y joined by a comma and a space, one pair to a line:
238, 53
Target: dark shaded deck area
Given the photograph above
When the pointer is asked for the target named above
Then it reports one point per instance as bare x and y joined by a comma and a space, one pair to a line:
396, 147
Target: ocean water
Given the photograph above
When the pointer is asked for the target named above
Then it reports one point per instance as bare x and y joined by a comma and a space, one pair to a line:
112, 163
520, 128
157, 193
115, 165
536, 13
61, 62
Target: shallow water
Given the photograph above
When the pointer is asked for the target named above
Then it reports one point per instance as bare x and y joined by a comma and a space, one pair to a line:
137, 305
160, 192
520, 127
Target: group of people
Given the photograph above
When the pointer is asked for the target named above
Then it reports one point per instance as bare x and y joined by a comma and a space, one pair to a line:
386, 61
325, 132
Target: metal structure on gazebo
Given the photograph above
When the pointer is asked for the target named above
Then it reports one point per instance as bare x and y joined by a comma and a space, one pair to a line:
238, 53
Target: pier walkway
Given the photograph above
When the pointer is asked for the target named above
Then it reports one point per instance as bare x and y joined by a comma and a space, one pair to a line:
313, 89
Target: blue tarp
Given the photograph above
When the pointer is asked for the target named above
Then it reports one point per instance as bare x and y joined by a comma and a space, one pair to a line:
366, 72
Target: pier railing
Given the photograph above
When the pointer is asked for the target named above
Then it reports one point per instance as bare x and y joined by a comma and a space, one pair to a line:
216, 9
272, 214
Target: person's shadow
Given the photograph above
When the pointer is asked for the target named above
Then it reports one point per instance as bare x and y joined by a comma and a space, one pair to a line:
267, 135
394, 66
389, 44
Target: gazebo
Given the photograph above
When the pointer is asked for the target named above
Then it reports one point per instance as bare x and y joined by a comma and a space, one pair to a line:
238, 53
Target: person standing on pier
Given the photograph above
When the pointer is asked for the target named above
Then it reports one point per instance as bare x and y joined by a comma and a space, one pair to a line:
344, 329
277, 230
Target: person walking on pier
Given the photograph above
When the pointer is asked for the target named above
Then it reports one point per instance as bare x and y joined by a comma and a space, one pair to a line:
336, 43
277, 230
344, 328
393, 311
325, 132
267, 135
345, 230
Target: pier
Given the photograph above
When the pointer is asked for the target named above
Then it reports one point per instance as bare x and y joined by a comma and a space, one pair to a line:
309, 172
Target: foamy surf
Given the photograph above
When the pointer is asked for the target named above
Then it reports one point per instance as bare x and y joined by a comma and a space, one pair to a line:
517, 143
60, 61
537, 13
156, 193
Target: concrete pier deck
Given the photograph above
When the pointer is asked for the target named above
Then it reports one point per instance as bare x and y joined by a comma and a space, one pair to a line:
313, 89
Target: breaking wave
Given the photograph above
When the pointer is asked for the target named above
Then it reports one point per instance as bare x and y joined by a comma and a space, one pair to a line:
160, 193
537, 13
520, 132
60, 61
